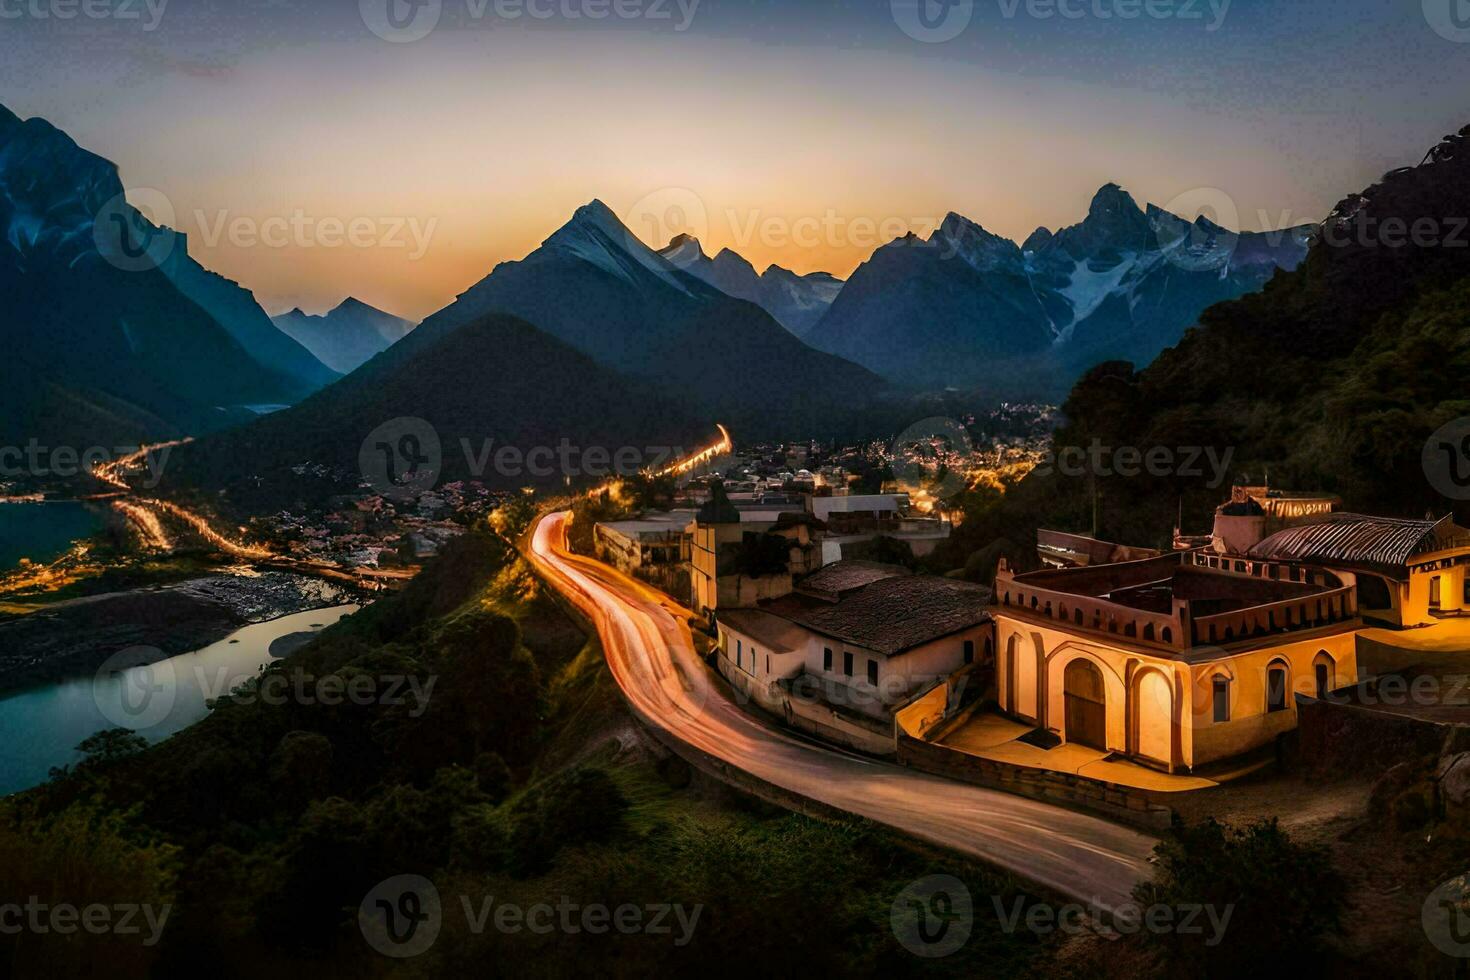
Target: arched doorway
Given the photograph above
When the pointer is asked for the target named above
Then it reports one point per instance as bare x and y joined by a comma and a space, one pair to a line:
1086, 705
1154, 711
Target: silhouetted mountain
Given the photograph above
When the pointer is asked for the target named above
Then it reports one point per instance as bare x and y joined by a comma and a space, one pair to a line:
101, 347
942, 310
493, 383
596, 286
234, 308
797, 302
348, 336
966, 307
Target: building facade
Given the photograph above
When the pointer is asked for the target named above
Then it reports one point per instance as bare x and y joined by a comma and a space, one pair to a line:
1175, 662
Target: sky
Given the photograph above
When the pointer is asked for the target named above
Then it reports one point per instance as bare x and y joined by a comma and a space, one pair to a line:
316, 150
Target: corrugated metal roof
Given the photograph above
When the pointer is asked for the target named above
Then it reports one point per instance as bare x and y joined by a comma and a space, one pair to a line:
1385, 543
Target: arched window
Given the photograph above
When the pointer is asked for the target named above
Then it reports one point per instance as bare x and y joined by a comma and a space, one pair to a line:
1323, 674
1277, 685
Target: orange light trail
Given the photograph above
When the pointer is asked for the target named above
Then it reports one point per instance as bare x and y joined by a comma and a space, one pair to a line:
720, 448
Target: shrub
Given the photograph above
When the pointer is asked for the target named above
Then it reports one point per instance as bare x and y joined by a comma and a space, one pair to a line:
1283, 898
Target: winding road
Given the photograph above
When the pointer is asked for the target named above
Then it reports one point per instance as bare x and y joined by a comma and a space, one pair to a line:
646, 639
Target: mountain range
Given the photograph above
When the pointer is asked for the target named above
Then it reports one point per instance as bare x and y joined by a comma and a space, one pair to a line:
596, 286
1344, 375
967, 308
346, 337
113, 334
797, 302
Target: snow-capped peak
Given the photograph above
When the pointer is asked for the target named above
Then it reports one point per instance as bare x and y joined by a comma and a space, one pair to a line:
596, 235
683, 251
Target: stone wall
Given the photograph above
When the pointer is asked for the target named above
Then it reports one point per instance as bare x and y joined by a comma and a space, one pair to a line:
840, 727
1063, 789
1348, 739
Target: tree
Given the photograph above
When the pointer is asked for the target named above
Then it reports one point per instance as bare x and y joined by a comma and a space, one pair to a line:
1283, 898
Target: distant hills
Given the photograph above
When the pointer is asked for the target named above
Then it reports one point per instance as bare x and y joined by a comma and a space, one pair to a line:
968, 308
492, 383
346, 337
112, 334
796, 302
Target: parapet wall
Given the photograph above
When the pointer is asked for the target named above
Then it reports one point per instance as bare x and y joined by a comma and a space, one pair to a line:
1116, 802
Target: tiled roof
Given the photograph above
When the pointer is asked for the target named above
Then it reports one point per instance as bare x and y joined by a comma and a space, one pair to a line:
833, 581
781, 635
898, 613
1384, 543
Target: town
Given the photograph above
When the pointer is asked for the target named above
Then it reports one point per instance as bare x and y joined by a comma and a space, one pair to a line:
1115, 678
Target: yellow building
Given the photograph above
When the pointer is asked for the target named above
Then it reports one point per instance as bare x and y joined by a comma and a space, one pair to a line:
1175, 662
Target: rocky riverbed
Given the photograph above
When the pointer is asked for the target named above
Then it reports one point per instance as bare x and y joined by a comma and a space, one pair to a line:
74, 638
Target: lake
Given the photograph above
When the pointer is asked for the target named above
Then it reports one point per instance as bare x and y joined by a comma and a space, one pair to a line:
40, 727
43, 531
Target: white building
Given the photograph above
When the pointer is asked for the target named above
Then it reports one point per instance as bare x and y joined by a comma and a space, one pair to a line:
857, 638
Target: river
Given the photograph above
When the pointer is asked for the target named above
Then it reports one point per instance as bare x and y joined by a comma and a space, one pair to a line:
40, 727
43, 531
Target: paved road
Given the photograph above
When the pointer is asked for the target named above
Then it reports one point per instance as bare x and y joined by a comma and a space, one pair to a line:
652, 658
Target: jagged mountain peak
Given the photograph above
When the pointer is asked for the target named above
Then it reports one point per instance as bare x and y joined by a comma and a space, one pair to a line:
1037, 239
1111, 198
596, 235
733, 259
